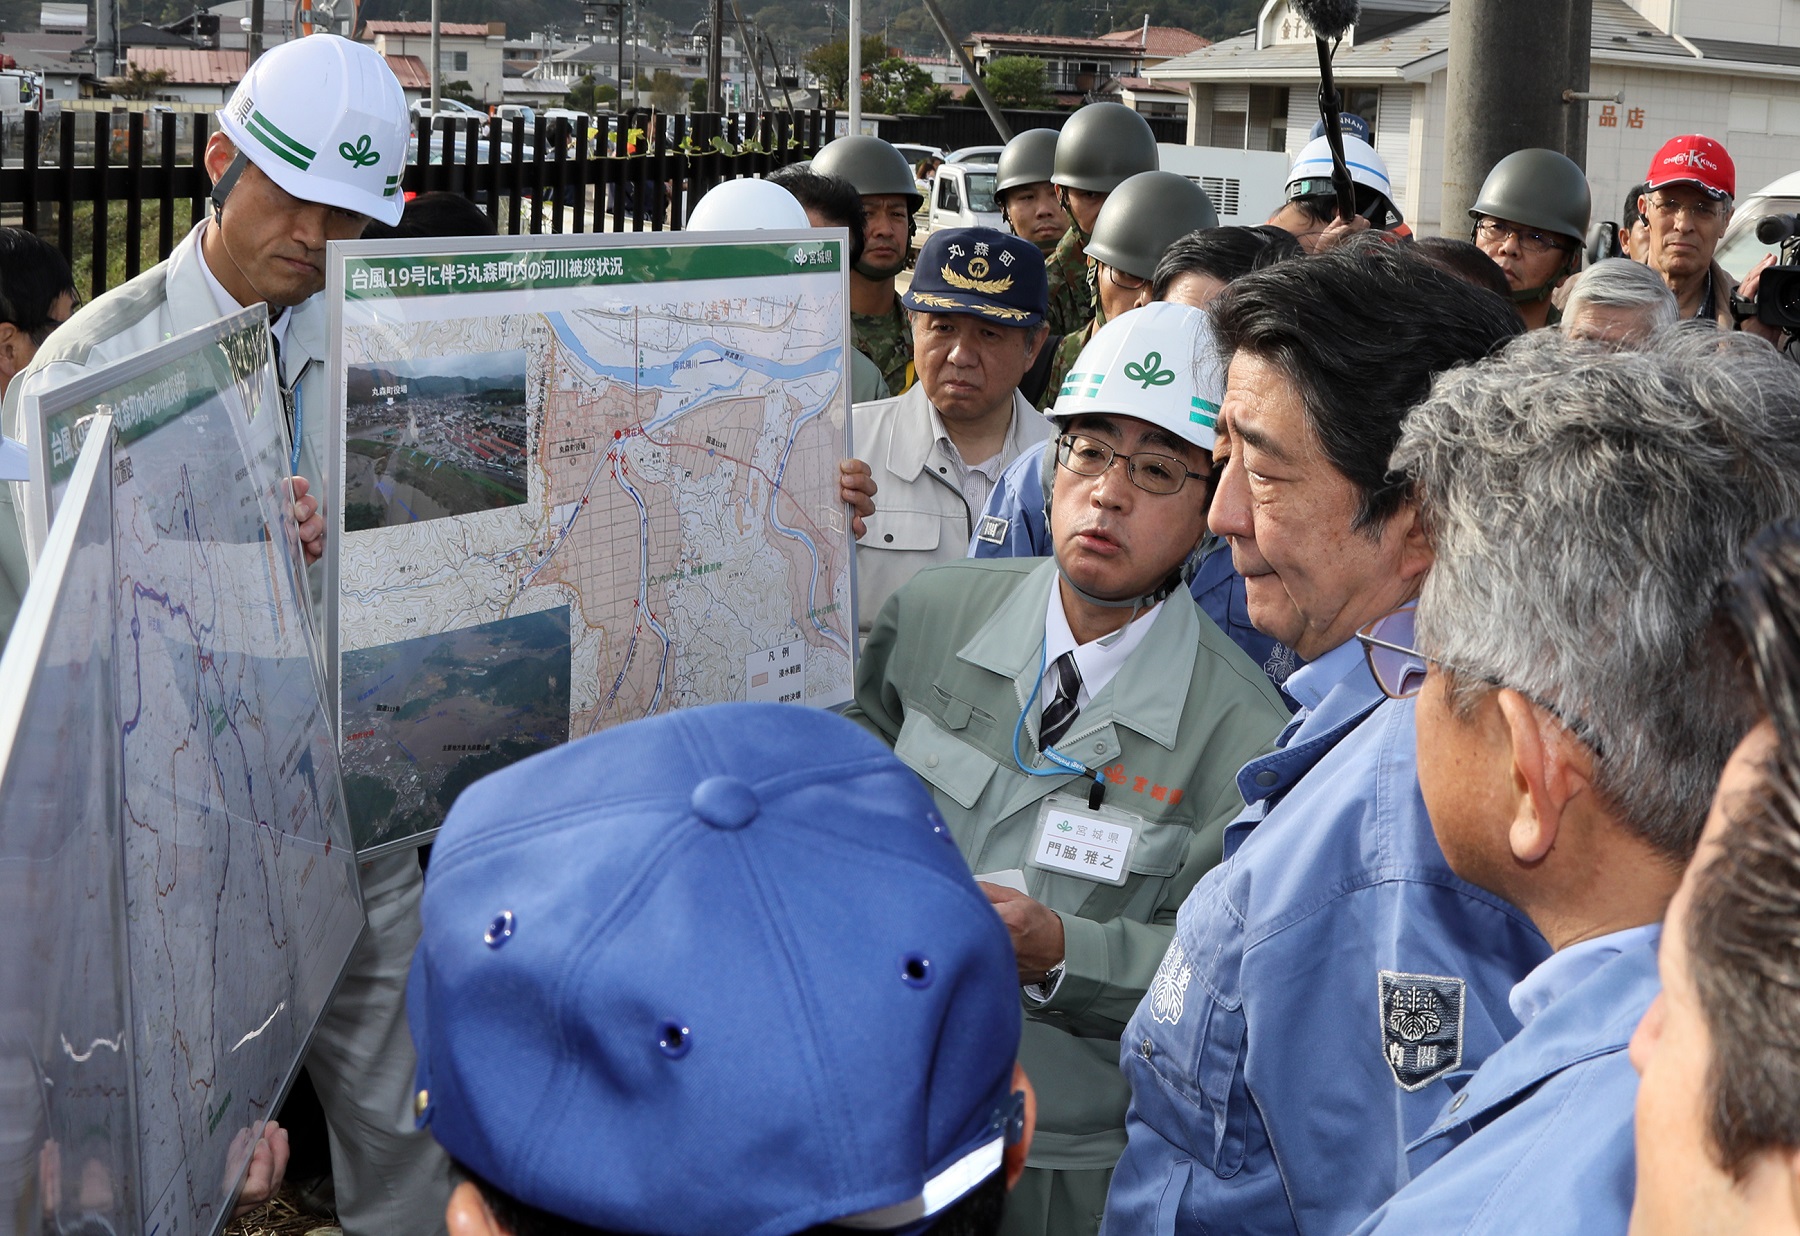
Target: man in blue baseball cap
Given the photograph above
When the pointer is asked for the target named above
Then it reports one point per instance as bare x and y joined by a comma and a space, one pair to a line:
977, 305
712, 973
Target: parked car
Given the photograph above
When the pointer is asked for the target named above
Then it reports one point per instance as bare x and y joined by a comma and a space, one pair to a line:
975, 154
1739, 249
914, 151
963, 196
509, 112
447, 107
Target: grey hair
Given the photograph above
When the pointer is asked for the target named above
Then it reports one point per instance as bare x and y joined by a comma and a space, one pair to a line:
1585, 508
1620, 283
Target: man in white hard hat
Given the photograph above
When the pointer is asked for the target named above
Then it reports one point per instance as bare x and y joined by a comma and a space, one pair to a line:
1080, 736
1310, 213
311, 148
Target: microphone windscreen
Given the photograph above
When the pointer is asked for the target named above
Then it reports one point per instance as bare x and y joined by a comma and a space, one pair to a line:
1328, 18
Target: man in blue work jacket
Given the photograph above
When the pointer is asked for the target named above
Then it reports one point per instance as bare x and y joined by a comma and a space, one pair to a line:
1576, 705
1332, 982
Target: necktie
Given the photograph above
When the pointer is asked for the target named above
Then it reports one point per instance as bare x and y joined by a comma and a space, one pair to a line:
1060, 712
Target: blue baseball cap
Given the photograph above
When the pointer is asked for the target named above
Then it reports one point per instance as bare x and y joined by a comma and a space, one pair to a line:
1349, 123
719, 971
980, 271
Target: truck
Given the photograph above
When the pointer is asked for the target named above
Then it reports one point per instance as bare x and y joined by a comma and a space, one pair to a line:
962, 195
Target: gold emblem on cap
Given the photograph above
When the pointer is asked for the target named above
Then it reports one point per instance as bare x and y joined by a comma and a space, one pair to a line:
421, 1101
987, 287
978, 267
1001, 311
936, 301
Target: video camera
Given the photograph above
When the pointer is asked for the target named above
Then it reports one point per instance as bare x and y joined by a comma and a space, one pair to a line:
1778, 293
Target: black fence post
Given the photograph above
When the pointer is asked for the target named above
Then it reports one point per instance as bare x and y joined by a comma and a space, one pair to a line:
28, 196
134, 193
102, 200
582, 164
202, 183
165, 202
65, 205
537, 177
681, 172
517, 166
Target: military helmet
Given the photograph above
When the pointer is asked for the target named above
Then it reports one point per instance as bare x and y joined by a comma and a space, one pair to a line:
1537, 188
1146, 214
1028, 159
871, 165
1101, 145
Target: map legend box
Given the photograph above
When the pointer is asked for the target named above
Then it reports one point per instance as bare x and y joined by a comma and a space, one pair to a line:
776, 675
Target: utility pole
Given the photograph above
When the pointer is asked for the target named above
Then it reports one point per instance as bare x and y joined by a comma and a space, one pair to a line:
106, 38
715, 86
1510, 62
253, 39
436, 61
853, 85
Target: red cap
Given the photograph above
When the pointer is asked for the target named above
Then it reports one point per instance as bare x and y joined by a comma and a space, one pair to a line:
1695, 160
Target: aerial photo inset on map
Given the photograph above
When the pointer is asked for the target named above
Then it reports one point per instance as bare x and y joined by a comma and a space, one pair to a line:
425, 717
432, 436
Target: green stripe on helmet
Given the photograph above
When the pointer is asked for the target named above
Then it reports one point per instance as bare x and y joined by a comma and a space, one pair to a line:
1204, 412
278, 142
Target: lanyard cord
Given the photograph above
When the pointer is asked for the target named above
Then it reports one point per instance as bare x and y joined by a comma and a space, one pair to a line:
1064, 764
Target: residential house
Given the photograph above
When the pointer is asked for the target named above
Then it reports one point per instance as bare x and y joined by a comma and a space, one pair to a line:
473, 52
1731, 71
1079, 70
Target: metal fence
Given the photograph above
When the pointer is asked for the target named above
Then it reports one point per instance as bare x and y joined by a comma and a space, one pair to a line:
949, 128
116, 191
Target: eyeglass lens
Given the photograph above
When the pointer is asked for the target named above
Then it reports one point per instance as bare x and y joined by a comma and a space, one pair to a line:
1399, 674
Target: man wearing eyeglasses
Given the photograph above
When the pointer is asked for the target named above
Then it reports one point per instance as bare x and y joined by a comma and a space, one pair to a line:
1687, 203
1576, 705
1332, 980
1081, 731
1530, 217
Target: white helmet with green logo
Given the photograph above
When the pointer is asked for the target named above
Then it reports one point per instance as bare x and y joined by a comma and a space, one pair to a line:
326, 120
1159, 364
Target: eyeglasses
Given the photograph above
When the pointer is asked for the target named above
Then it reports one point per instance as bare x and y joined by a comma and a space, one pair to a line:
1131, 283
1400, 668
1491, 231
1152, 473
1699, 212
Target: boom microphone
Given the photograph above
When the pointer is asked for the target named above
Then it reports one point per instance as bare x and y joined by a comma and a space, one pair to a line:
1329, 19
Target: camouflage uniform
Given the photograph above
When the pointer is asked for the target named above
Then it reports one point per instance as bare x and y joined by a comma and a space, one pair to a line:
887, 340
1071, 294
1066, 352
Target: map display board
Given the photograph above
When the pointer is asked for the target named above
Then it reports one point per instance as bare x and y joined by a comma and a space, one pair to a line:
581, 484
241, 901
66, 1148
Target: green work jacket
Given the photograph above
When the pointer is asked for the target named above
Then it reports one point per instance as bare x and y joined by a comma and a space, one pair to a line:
947, 670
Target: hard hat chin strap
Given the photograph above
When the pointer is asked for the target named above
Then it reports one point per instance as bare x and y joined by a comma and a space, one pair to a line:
1531, 296
228, 181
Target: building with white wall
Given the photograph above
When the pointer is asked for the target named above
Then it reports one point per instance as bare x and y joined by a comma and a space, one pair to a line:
1729, 70
473, 52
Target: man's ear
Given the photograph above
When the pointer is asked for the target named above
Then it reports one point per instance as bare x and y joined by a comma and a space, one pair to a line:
1039, 334
219, 152
1416, 554
1549, 768
468, 1213
12, 351
1013, 1162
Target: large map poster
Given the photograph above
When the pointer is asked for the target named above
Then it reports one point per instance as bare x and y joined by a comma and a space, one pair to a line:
581, 484
241, 896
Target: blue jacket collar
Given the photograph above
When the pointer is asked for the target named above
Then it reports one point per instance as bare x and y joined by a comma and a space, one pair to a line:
1594, 1018
1341, 708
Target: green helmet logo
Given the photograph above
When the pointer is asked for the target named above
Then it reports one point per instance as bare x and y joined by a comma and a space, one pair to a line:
1150, 371
363, 154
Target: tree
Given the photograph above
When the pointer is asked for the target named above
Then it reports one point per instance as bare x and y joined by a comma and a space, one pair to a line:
138, 83
895, 87
1017, 81
461, 91
666, 91
587, 95
697, 95
830, 63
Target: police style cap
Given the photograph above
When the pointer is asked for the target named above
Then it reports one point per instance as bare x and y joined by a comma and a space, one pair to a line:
980, 271
721, 971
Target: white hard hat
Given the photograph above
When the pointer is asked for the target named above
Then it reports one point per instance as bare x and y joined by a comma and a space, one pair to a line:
1160, 364
1314, 166
326, 120
747, 206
